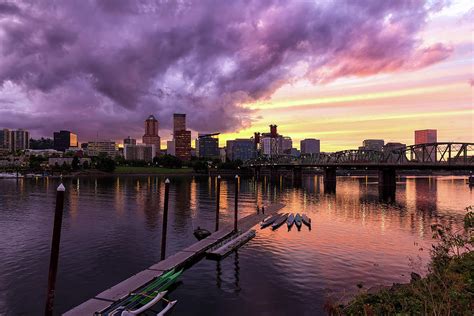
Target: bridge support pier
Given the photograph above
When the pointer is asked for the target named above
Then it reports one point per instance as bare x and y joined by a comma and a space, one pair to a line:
330, 180
387, 184
256, 173
273, 174
297, 176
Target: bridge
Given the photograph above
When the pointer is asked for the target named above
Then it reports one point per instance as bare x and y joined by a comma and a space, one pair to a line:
429, 156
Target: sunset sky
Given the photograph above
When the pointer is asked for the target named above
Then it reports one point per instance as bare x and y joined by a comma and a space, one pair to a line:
339, 71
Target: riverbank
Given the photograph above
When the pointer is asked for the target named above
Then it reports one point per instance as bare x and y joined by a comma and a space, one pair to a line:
447, 289
153, 171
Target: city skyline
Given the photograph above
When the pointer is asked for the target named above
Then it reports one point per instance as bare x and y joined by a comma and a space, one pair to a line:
409, 67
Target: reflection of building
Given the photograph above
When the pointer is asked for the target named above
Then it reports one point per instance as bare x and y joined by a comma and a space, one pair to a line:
372, 144
424, 137
139, 152
310, 146
181, 137
64, 139
101, 147
207, 146
129, 141
151, 136
240, 149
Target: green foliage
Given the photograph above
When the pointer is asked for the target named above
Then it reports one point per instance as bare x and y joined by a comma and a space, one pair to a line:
42, 143
200, 165
35, 162
167, 161
104, 163
75, 163
447, 289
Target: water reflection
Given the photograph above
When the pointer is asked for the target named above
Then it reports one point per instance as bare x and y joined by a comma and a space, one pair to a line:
112, 229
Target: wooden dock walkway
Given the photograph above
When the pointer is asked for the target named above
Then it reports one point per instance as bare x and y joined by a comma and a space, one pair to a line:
181, 259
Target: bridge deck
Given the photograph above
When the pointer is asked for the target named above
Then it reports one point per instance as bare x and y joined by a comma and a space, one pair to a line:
183, 258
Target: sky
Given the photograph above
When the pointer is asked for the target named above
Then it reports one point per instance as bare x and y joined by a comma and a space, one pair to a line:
339, 71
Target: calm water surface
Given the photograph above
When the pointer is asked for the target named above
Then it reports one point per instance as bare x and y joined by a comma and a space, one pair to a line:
112, 230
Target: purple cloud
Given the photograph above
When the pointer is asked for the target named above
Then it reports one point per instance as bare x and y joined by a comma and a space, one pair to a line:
103, 66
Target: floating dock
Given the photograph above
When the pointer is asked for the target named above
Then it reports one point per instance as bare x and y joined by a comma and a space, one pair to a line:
181, 259
230, 245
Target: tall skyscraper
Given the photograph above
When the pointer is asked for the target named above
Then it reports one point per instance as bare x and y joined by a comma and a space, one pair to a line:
310, 146
181, 137
64, 139
179, 122
151, 136
240, 149
424, 137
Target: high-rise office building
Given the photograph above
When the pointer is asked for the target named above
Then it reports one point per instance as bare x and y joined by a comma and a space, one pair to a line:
181, 137
151, 136
240, 149
179, 122
207, 146
426, 136
310, 146
129, 141
64, 140
20, 140
170, 148
372, 144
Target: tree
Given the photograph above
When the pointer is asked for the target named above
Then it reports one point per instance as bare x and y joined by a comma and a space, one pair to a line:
75, 163
105, 164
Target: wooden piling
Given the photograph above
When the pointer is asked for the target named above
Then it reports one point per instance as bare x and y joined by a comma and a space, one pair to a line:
165, 220
236, 202
218, 199
53, 261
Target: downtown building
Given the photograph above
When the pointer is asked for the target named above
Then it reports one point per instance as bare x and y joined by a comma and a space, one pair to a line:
273, 144
63, 140
139, 152
181, 137
372, 144
151, 136
426, 136
310, 146
240, 149
207, 146
129, 141
14, 140
101, 148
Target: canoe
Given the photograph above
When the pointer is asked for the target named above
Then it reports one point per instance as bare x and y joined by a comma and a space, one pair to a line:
290, 220
306, 220
280, 220
143, 295
144, 307
269, 221
167, 308
298, 221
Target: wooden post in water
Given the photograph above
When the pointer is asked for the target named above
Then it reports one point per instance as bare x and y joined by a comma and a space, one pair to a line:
165, 220
236, 201
218, 200
53, 261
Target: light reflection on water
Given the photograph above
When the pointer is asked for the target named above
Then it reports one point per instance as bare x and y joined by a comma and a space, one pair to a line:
112, 229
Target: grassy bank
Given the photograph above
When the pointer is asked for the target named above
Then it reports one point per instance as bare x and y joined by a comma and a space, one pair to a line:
152, 170
447, 289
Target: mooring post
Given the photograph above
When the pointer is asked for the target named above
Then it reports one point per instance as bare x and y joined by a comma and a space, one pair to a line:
53, 261
218, 200
165, 219
236, 201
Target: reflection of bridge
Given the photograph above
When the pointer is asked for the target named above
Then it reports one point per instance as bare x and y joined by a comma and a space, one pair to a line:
431, 156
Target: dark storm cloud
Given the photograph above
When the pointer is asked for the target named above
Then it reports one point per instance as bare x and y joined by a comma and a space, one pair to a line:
105, 65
